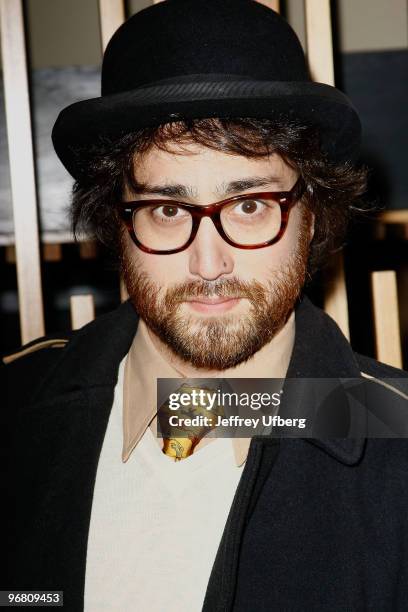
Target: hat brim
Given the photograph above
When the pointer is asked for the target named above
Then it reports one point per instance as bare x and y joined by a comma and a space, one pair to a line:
79, 125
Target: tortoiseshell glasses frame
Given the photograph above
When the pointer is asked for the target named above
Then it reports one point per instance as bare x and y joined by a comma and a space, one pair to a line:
285, 199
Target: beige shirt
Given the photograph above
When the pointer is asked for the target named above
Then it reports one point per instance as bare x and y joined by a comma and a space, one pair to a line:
144, 364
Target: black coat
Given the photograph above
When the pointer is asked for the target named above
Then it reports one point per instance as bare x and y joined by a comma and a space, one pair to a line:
315, 524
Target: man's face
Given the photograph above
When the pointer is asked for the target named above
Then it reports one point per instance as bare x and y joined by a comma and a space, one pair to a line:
214, 305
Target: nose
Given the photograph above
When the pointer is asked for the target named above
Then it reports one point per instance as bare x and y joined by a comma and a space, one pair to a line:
210, 255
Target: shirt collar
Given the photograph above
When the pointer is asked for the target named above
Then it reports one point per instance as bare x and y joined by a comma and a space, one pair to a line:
144, 364
91, 358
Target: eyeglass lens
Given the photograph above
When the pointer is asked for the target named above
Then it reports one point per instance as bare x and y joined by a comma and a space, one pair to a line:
245, 221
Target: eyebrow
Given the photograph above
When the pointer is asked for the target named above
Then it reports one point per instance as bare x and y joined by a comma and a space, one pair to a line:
188, 191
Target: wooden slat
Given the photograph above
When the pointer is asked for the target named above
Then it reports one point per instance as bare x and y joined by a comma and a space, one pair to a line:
394, 216
111, 15
386, 318
22, 176
273, 4
82, 310
389, 218
10, 254
320, 59
52, 252
319, 40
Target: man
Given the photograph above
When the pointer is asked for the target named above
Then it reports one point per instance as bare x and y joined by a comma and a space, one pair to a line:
221, 177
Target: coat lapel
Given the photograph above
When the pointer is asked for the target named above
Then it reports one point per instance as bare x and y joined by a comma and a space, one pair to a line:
61, 436
320, 351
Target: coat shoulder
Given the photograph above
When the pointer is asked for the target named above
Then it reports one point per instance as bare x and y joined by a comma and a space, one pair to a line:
24, 368
35, 345
377, 368
394, 379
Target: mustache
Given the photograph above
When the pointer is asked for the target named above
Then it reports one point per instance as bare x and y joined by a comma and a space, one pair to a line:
228, 288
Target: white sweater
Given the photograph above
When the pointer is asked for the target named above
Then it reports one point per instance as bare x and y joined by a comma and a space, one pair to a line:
155, 524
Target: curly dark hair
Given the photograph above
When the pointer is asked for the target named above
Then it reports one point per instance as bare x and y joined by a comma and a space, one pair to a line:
333, 190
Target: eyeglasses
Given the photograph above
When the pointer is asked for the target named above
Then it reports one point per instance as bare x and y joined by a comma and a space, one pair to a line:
248, 221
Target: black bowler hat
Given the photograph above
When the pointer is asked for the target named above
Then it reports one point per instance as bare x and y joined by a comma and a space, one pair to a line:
205, 58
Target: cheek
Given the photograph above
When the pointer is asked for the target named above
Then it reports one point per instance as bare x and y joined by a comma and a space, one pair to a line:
291, 238
260, 262
163, 270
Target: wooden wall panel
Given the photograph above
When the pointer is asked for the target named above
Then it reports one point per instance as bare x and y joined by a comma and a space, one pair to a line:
82, 310
22, 175
319, 40
386, 319
273, 4
320, 59
111, 16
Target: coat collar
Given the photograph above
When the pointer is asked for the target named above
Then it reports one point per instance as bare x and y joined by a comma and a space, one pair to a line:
322, 351
92, 356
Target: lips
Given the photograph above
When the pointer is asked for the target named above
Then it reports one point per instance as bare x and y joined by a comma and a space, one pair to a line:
212, 301
214, 305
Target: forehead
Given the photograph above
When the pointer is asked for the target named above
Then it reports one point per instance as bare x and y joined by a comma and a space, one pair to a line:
195, 164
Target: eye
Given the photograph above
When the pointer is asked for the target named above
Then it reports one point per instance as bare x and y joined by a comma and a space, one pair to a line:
249, 207
169, 212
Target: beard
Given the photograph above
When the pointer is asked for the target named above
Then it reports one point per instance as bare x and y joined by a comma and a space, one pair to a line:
218, 342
